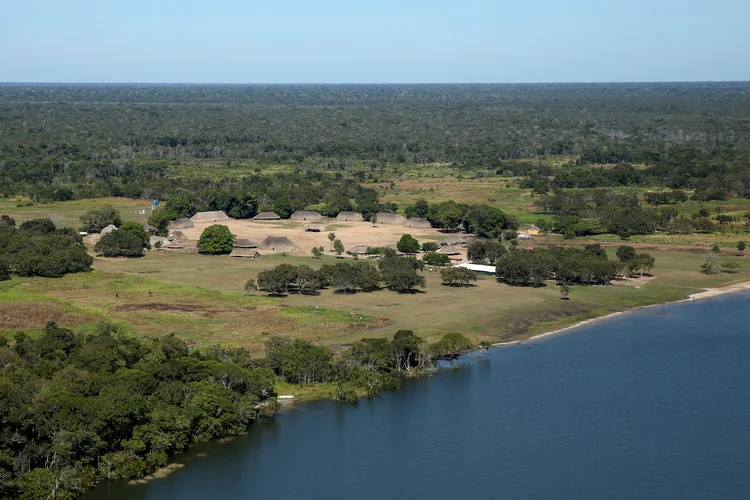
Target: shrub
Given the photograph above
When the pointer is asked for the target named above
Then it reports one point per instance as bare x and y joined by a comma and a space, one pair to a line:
136, 230
216, 239
94, 221
436, 259
119, 244
408, 244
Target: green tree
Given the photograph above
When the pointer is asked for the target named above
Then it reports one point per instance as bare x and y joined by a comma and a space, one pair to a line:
408, 244
216, 239
420, 209
430, 246
119, 244
95, 220
715, 248
317, 252
741, 247
436, 259
400, 274
564, 291
250, 286
625, 253
730, 266
4, 270
338, 247
458, 276
331, 238
160, 219
453, 344
136, 230
709, 264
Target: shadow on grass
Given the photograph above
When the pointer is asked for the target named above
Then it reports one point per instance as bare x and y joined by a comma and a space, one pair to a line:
458, 285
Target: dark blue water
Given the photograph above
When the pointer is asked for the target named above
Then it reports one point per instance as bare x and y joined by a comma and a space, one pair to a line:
651, 404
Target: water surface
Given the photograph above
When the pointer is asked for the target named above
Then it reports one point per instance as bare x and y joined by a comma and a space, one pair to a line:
650, 404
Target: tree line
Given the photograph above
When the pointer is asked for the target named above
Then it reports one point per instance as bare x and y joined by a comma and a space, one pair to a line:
77, 408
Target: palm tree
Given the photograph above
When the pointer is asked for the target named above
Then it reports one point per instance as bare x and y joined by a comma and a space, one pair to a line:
564, 291
331, 237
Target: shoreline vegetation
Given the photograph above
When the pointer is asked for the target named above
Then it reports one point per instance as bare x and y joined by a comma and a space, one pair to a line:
705, 294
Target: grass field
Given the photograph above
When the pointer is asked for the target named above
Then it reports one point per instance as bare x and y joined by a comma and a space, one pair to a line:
68, 213
487, 311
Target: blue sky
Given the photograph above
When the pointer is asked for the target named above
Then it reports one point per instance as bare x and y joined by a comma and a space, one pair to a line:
384, 41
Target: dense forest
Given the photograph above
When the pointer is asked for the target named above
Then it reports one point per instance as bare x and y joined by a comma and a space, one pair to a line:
77, 407
61, 141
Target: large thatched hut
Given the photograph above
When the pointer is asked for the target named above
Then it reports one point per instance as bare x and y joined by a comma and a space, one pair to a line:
247, 253
418, 223
266, 216
244, 243
180, 224
306, 215
162, 242
315, 227
358, 250
350, 217
205, 217
278, 244
177, 236
390, 219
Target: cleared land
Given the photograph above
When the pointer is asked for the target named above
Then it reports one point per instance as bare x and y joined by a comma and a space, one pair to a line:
200, 298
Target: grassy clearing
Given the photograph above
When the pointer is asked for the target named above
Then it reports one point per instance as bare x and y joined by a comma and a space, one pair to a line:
147, 306
488, 311
68, 213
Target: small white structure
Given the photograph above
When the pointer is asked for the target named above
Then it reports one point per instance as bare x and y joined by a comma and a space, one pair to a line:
479, 268
108, 229
524, 236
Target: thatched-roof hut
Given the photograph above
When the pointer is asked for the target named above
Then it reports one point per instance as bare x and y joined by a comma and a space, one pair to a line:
315, 227
278, 244
418, 223
449, 250
176, 245
306, 215
457, 240
177, 236
247, 253
158, 239
108, 230
358, 250
350, 217
204, 217
390, 219
180, 224
244, 243
266, 216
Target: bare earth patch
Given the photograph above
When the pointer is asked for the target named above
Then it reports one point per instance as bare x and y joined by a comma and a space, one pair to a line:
34, 315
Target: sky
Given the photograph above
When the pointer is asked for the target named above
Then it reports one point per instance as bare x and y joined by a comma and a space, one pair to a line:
381, 41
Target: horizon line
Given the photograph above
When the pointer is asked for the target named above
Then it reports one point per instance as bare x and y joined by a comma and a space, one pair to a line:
592, 82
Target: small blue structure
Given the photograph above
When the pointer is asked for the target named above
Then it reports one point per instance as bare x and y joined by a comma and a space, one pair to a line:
155, 203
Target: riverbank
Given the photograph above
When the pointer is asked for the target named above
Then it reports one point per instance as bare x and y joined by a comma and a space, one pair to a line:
706, 294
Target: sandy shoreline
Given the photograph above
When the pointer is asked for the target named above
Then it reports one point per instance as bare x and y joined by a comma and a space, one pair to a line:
705, 294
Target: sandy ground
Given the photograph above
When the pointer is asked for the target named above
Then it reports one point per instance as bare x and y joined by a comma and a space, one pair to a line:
708, 293
350, 233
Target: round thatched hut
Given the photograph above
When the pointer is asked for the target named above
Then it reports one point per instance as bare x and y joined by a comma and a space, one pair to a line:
244, 243
350, 217
108, 230
306, 215
247, 253
418, 223
266, 216
390, 219
180, 224
204, 217
278, 244
177, 236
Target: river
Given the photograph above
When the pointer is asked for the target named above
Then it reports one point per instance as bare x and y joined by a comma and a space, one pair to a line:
649, 404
